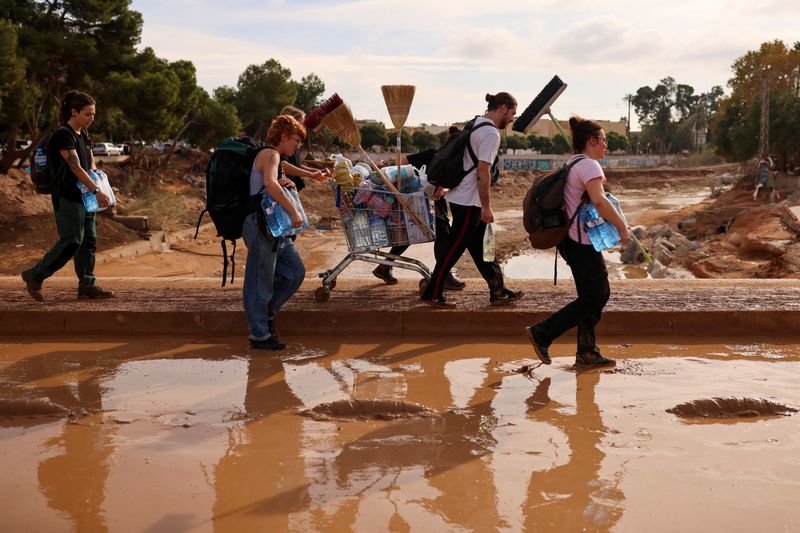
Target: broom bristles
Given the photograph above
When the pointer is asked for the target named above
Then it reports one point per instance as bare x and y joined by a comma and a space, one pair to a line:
341, 122
398, 100
314, 119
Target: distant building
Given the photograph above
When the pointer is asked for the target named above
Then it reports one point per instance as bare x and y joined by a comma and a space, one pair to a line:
545, 127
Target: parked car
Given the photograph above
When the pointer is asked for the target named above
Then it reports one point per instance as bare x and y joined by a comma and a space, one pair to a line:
106, 149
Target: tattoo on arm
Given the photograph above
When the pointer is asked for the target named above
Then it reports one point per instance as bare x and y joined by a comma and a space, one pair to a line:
74, 163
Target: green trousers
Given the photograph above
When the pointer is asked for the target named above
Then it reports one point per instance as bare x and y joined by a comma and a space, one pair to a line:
77, 240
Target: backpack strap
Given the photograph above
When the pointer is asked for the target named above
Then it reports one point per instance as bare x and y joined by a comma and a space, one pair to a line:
470, 151
569, 166
199, 219
225, 261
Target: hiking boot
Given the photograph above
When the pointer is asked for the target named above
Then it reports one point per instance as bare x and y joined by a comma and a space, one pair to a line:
542, 350
505, 297
93, 292
593, 358
33, 287
439, 302
384, 272
452, 283
267, 344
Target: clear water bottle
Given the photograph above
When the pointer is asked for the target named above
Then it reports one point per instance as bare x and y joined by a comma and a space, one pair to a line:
89, 198
488, 243
380, 237
602, 234
40, 161
278, 220
295, 198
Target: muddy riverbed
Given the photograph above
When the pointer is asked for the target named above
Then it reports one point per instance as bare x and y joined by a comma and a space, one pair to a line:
178, 435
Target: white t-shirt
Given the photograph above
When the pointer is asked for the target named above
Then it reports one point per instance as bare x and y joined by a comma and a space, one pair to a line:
485, 142
580, 174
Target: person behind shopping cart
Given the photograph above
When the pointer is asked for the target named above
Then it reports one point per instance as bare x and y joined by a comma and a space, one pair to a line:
384, 272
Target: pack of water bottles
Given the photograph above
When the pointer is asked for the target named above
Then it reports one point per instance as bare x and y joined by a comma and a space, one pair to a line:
279, 222
602, 234
89, 197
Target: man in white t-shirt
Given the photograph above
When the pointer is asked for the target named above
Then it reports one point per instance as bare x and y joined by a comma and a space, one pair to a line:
470, 205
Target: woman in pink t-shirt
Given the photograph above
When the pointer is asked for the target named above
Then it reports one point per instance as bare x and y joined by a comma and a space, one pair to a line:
588, 266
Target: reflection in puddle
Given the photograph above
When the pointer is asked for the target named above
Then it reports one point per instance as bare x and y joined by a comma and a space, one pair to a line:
206, 440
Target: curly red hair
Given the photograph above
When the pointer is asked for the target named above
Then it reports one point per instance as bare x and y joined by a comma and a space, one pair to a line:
284, 125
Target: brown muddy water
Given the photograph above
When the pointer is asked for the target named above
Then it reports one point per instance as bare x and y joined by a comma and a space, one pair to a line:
175, 435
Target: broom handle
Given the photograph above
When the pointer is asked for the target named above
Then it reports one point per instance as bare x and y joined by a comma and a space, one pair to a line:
425, 227
399, 186
560, 129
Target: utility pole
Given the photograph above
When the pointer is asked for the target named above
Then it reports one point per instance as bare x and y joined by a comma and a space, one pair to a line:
764, 134
628, 98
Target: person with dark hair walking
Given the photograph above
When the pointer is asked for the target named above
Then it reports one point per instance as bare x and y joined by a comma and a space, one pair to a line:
70, 154
588, 267
470, 205
442, 221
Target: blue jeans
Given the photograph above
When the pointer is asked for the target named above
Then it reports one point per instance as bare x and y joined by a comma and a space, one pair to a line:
272, 275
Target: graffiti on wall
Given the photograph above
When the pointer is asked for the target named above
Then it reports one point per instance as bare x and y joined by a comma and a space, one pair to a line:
550, 162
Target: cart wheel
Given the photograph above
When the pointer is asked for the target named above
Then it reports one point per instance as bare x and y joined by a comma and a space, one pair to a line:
322, 294
423, 284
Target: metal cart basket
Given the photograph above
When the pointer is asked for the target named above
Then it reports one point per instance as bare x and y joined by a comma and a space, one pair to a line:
373, 219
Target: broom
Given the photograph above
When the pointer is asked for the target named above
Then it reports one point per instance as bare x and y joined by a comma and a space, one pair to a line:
541, 105
337, 117
398, 101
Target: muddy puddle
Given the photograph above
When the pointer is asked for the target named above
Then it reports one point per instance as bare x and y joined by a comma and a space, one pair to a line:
173, 435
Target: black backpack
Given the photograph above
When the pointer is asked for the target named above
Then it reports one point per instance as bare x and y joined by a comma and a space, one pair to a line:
228, 199
543, 212
42, 171
447, 166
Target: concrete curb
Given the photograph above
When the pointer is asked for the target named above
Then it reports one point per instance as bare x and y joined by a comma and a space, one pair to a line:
199, 307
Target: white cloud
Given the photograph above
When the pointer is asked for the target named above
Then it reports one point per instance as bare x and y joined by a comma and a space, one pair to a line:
455, 51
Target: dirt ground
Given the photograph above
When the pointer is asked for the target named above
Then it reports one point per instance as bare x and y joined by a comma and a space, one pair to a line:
737, 236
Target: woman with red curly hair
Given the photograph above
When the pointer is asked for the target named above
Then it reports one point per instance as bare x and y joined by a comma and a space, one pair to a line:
274, 270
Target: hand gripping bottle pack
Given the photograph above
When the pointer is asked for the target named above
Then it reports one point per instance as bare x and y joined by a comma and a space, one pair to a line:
279, 222
602, 234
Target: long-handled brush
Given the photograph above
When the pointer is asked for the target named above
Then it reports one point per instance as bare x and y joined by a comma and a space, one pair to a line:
540, 106
337, 117
398, 101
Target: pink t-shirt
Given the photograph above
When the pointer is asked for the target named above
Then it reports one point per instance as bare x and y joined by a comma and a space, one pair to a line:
580, 174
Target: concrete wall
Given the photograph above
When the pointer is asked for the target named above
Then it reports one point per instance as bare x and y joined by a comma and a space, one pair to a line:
548, 162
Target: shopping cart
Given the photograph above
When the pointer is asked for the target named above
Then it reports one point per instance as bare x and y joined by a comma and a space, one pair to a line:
373, 219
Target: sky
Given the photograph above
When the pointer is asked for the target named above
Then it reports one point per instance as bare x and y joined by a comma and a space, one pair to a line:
456, 51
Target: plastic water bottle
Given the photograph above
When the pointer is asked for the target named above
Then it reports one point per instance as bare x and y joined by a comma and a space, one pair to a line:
488, 243
89, 198
40, 161
278, 220
602, 234
299, 206
380, 237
